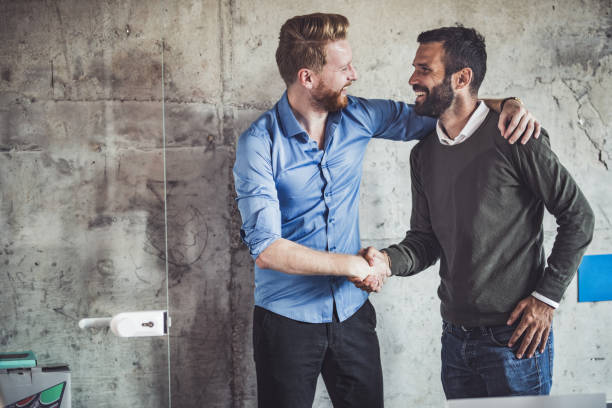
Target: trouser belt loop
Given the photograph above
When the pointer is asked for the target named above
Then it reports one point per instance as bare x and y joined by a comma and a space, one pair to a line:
483, 331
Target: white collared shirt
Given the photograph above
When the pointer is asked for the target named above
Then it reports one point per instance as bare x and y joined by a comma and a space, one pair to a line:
473, 123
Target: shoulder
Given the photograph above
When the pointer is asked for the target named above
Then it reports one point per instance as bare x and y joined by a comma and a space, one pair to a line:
538, 149
422, 146
257, 140
356, 103
533, 145
539, 146
259, 133
358, 108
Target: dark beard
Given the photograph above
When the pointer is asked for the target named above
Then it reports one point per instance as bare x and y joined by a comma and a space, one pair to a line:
436, 101
329, 100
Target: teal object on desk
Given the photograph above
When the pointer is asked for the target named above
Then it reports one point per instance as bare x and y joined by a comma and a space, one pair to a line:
595, 278
21, 359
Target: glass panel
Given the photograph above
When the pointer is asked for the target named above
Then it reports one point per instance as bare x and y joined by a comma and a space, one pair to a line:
210, 275
199, 197
82, 192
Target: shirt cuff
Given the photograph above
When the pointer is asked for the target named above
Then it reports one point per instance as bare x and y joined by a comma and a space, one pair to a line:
544, 299
258, 248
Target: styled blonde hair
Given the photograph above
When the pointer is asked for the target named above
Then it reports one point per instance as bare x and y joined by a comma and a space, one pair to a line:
302, 40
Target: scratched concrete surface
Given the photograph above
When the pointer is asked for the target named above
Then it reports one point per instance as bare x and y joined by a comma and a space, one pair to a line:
82, 198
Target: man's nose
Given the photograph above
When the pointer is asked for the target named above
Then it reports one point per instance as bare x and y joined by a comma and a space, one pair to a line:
412, 79
353, 73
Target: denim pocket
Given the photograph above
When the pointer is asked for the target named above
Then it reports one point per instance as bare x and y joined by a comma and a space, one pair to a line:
501, 335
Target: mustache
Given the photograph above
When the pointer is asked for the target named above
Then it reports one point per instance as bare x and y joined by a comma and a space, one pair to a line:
345, 86
418, 88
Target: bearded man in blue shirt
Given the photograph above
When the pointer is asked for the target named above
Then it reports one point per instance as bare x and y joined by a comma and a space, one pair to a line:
297, 176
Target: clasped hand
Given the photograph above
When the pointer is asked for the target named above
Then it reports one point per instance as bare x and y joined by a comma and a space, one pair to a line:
378, 270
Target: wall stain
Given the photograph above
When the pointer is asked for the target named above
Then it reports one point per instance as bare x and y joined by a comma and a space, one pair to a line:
105, 267
101, 221
187, 239
62, 165
78, 73
134, 69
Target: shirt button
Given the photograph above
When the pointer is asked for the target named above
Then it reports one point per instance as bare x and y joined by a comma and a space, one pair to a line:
327, 194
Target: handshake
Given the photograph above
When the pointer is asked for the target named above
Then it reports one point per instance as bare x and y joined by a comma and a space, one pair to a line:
372, 267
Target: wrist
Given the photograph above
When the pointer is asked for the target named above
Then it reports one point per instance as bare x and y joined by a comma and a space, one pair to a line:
543, 299
387, 258
356, 267
511, 99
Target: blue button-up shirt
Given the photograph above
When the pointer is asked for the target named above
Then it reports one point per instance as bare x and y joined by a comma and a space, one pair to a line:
286, 187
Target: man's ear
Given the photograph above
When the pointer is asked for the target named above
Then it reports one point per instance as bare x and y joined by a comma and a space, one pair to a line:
462, 78
306, 78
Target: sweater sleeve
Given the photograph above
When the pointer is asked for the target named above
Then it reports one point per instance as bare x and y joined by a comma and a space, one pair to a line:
549, 180
420, 248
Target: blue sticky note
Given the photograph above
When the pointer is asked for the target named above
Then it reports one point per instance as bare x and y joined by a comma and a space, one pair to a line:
595, 278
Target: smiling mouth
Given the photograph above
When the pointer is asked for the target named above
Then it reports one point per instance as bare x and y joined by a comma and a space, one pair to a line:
420, 95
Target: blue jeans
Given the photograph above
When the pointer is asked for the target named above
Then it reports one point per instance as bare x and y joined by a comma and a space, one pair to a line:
477, 362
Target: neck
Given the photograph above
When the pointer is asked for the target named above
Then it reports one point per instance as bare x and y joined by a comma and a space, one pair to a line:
454, 119
311, 117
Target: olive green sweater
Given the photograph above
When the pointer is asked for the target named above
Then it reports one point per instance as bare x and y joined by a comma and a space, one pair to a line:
478, 206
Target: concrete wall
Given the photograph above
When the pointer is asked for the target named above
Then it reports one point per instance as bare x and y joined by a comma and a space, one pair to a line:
81, 181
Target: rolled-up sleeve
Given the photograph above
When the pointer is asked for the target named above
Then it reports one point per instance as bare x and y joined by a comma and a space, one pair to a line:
256, 192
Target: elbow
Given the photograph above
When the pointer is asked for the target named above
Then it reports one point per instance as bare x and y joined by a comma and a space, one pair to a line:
269, 257
589, 224
262, 261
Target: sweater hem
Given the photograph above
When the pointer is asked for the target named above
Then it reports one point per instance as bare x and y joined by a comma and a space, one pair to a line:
475, 320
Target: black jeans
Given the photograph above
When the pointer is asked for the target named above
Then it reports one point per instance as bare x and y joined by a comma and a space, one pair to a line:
289, 355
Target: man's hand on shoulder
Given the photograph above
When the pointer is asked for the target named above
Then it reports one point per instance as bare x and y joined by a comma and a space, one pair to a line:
536, 320
515, 120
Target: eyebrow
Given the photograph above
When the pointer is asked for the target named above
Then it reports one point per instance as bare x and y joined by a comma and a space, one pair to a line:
421, 65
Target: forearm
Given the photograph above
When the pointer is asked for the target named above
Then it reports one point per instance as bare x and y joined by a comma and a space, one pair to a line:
574, 234
420, 248
415, 253
292, 258
493, 104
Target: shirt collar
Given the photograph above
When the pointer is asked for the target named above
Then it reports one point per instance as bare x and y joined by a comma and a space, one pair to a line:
289, 123
291, 127
473, 123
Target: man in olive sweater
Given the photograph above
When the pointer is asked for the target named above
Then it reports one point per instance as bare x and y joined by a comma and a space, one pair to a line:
477, 205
